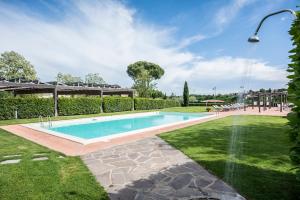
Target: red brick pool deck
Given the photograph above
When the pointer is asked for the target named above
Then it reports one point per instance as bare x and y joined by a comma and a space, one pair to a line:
72, 148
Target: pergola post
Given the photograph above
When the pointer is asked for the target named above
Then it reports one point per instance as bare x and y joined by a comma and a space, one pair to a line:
101, 99
265, 101
258, 102
132, 95
270, 101
55, 98
280, 102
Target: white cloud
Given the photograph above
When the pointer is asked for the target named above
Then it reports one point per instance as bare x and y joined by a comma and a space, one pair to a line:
105, 36
191, 40
227, 13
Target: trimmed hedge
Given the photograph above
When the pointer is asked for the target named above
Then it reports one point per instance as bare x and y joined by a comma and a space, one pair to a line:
32, 107
79, 105
29, 107
148, 104
117, 104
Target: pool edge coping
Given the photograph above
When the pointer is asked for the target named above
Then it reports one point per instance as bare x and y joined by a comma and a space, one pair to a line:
36, 127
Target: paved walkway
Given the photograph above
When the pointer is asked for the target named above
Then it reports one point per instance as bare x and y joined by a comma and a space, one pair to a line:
152, 169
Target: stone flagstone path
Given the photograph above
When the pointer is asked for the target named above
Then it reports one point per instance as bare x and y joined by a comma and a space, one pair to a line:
14, 159
152, 169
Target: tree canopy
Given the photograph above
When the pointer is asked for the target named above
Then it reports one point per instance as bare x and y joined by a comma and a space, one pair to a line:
67, 78
91, 78
14, 65
94, 79
143, 74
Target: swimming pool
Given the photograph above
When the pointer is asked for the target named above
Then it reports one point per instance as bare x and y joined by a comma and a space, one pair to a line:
96, 129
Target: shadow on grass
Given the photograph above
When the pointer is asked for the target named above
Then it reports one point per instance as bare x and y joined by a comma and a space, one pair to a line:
257, 183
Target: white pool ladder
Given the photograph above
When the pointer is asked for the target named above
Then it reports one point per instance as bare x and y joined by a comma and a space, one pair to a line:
41, 121
49, 120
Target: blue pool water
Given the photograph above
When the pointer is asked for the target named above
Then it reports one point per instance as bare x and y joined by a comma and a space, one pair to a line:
98, 129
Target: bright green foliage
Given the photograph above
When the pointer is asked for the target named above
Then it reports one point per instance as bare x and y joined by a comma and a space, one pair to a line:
192, 99
157, 94
79, 105
143, 74
14, 65
294, 92
67, 78
149, 104
117, 104
94, 79
55, 178
262, 170
186, 94
29, 107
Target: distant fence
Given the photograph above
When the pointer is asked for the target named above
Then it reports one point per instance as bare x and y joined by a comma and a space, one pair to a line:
33, 107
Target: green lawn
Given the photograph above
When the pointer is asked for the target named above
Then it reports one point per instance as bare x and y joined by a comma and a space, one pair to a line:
262, 167
175, 109
56, 178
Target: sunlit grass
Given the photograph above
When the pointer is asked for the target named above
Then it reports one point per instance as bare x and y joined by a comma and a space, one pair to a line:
56, 178
263, 168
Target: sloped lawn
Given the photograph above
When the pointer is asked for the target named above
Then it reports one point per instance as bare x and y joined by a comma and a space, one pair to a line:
262, 168
56, 178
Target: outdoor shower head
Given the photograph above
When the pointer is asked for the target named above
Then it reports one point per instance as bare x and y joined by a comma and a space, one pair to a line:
255, 38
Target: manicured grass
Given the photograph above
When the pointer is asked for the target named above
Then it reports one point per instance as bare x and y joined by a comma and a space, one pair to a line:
56, 178
175, 109
262, 169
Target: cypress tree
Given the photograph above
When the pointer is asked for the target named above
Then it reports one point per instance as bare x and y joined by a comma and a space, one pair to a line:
185, 94
294, 93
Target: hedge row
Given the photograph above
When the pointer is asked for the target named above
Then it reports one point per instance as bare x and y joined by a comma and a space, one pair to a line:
30, 107
149, 104
79, 105
117, 104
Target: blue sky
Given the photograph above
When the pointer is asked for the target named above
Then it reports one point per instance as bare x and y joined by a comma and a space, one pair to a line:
203, 42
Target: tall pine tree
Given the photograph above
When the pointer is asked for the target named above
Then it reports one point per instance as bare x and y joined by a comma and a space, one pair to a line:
185, 94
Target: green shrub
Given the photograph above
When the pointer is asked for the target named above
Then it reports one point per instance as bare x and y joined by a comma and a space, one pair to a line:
79, 105
148, 104
7, 108
117, 104
28, 107
294, 93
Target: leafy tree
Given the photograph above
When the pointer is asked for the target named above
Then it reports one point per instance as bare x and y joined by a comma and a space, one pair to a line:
67, 78
157, 94
185, 94
94, 79
14, 65
192, 99
143, 74
294, 93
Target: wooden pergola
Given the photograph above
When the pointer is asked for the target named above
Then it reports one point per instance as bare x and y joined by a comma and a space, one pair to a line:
268, 99
56, 90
